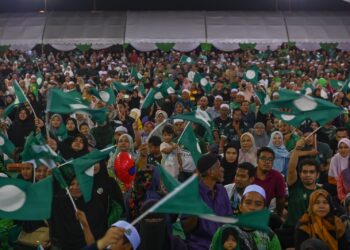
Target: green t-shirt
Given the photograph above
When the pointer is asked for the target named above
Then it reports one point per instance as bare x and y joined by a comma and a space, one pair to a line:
264, 240
298, 202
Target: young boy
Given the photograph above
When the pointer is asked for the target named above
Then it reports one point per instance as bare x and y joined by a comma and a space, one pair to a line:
171, 159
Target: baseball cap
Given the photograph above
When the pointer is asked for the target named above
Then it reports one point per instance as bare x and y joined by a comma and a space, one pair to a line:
131, 233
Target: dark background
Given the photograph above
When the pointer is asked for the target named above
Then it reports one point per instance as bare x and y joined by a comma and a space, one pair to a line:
86, 5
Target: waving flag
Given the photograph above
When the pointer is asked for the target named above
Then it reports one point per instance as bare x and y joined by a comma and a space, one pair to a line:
22, 200
66, 103
294, 108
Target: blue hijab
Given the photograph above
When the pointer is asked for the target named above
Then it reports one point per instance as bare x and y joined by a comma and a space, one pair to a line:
281, 154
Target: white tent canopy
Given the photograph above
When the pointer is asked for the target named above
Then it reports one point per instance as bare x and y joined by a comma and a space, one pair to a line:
21, 30
308, 29
186, 29
101, 29
225, 30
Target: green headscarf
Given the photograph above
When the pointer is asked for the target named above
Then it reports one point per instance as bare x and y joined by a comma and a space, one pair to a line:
217, 242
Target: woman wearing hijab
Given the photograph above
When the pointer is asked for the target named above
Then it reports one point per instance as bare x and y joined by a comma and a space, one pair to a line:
229, 162
260, 136
320, 222
71, 127
339, 163
248, 150
107, 190
125, 144
57, 128
21, 127
281, 153
156, 232
78, 147
160, 116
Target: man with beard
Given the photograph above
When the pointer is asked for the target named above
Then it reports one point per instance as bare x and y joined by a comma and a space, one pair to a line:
244, 177
199, 232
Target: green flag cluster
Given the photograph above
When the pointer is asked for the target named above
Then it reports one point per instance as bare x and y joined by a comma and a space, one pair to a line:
71, 102
161, 91
120, 86
36, 149
22, 200
20, 98
294, 108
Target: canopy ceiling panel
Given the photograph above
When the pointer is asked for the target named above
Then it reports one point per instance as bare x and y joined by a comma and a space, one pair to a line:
96, 28
21, 30
245, 27
165, 27
318, 27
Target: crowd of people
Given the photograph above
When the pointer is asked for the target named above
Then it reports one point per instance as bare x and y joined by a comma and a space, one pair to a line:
254, 162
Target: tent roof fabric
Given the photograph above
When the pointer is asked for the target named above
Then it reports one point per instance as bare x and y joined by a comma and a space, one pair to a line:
187, 29
165, 26
85, 27
317, 27
245, 27
21, 29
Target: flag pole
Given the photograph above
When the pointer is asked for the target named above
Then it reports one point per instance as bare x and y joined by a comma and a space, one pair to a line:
165, 199
74, 205
313, 132
30, 105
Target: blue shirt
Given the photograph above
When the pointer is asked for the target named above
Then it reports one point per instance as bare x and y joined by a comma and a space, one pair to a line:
219, 202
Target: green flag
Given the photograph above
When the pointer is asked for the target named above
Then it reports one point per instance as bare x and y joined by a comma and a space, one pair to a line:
136, 75
84, 170
66, 103
346, 86
35, 148
185, 59
6, 146
189, 141
294, 108
308, 89
20, 98
161, 91
263, 97
205, 84
184, 199
39, 78
120, 86
107, 96
22, 200
252, 74
199, 117
335, 84
169, 182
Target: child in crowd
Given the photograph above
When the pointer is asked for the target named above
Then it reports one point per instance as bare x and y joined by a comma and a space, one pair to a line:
171, 159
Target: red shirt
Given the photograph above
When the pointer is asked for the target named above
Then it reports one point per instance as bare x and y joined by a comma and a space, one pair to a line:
273, 185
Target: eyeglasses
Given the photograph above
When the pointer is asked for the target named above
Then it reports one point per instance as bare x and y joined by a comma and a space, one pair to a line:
266, 159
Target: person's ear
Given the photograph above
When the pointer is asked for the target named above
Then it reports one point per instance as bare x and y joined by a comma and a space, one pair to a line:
251, 179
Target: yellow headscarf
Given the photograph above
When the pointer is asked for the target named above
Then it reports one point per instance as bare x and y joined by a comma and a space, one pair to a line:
318, 227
